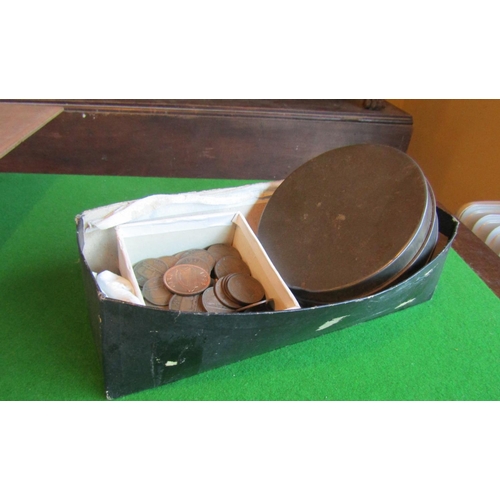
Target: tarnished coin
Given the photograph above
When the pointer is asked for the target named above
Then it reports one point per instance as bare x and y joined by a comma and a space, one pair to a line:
186, 303
191, 251
149, 268
225, 291
221, 294
206, 262
245, 289
186, 279
170, 260
220, 250
150, 304
200, 253
230, 264
212, 304
155, 291
181, 254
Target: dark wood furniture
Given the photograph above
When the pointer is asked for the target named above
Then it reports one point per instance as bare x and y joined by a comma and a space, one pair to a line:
239, 139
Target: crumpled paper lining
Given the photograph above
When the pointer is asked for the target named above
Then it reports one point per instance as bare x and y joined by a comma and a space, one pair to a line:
168, 205
100, 245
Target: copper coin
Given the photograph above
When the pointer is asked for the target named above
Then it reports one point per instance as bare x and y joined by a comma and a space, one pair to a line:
170, 260
220, 250
179, 255
200, 253
221, 294
150, 304
155, 291
245, 289
230, 264
186, 303
212, 304
149, 268
195, 260
186, 279
226, 292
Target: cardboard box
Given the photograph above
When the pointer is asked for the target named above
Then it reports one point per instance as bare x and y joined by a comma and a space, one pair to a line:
142, 347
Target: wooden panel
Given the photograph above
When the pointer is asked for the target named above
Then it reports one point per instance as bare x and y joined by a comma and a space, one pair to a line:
256, 140
317, 109
19, 121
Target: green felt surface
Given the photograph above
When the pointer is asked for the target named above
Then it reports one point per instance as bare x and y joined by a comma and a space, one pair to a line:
445, 349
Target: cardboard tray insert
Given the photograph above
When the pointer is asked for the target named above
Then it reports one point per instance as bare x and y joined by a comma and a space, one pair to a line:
142, 240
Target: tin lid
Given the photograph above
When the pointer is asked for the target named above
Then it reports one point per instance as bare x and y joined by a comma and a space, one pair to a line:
423, 254
347, 221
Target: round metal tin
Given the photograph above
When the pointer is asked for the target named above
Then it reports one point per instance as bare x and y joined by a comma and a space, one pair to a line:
348, 222
425, 252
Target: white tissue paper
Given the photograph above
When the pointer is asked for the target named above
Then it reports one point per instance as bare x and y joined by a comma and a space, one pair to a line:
116, 287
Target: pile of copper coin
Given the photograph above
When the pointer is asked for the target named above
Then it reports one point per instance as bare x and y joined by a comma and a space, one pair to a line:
213, 279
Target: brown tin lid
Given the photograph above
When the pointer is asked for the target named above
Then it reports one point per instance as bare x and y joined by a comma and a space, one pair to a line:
425, 252
348, 222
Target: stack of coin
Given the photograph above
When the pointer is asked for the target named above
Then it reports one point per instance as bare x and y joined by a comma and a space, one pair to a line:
233, 292
214, 279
